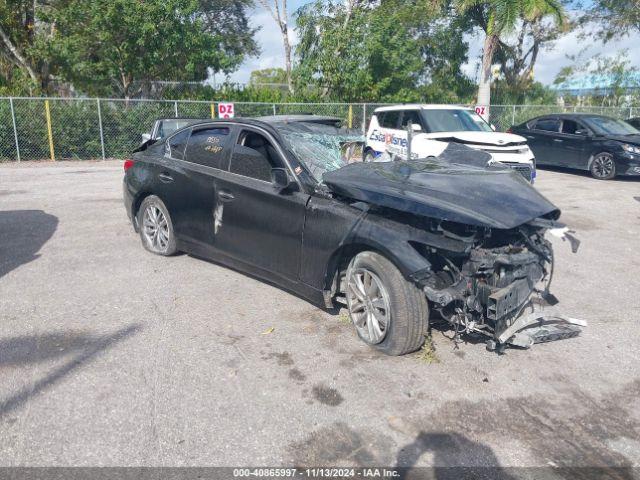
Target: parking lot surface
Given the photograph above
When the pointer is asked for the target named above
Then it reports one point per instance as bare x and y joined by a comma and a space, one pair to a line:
112, 356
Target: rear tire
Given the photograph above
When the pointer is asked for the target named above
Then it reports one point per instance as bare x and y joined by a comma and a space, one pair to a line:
156, 227
390, 313
603, 166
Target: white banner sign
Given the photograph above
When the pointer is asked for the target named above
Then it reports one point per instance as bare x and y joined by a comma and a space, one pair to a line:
226, 110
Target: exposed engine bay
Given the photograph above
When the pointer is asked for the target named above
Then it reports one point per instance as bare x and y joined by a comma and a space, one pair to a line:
498, 285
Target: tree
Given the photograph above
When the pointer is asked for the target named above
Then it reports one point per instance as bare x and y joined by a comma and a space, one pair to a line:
517, 56
105, 47
497, 18
391, 50
268, 77
613, 18
279, 13
17, 38
612, 79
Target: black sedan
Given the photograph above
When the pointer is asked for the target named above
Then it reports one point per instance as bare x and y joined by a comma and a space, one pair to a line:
604, 146
388, 240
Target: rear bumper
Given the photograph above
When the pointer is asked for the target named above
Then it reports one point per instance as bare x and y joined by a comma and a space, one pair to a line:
128, 199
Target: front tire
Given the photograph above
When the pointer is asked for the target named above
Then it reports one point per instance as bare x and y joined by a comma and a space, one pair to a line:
603, 166
156, 227
389, 313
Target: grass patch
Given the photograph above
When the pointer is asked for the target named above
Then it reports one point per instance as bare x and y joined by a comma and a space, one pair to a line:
427, 353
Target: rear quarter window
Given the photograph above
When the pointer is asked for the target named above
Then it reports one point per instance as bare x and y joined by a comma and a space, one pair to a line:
390, 119
176, 145
548, 125
209, 147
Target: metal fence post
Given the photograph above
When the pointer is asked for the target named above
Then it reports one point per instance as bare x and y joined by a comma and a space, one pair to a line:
47, 113
104, 157
175, 108
364, 118
513, 115
274, 109
15, 129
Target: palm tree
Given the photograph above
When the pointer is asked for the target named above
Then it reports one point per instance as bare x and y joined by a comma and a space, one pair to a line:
500, 17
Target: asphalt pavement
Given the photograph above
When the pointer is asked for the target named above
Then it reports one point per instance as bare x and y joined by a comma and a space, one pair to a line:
111, 356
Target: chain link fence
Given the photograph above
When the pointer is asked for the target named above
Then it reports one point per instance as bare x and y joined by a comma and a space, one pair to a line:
505, 116
86, 129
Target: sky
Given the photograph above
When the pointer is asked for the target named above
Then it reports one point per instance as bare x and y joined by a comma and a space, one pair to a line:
549, 63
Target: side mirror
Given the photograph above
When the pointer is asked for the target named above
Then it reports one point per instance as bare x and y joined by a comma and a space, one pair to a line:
493, 127
416, 127
280, 178
582, 131
146, 137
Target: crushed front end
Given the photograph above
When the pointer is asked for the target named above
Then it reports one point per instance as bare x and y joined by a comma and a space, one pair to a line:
499, 285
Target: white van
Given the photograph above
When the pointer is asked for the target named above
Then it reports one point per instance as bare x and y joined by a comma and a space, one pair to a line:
435, 126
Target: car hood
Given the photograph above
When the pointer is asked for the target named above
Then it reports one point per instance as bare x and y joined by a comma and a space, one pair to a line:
477, 196
635, 139
479, 138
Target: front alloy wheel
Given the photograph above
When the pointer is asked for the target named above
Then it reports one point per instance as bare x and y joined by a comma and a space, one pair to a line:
390, 312
603, 167
368, 303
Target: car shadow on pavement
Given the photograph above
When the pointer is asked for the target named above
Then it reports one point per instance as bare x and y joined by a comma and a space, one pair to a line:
22, 234
33, 349
585, 173
451, 451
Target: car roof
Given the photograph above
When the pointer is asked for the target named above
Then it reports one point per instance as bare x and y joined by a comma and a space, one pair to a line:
298, 118
165, 119
571, 115
423, 106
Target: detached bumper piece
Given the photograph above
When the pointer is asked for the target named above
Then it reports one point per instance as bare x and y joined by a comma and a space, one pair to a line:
538, 328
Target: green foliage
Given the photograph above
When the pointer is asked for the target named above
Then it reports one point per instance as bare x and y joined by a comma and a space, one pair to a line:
268, 76
106, 42
393, 51
497, 17
611, 18
503, 93
618, 78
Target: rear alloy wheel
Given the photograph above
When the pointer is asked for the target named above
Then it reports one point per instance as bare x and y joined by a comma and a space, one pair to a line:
603, 167
156, 228
389, 313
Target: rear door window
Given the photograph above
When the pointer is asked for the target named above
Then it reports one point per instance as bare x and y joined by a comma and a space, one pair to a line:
572, 127
254, 156
391, 119
410, 116
209, 146
176, 145
548, 125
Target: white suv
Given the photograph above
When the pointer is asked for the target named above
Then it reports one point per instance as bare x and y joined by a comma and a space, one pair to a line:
434, 126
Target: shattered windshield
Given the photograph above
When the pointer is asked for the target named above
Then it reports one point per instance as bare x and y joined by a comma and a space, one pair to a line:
323, 148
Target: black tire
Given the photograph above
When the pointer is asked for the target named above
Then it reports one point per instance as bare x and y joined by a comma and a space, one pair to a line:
603, 166
369, 156
409, 311
165, 248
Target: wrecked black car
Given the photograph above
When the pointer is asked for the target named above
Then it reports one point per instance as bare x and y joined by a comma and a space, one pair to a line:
392, 241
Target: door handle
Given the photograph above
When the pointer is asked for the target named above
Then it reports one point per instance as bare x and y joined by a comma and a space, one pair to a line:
165, 178
225, 196
557, 140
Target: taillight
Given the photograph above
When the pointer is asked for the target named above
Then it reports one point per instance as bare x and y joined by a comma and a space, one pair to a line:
509, 130
128, 164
